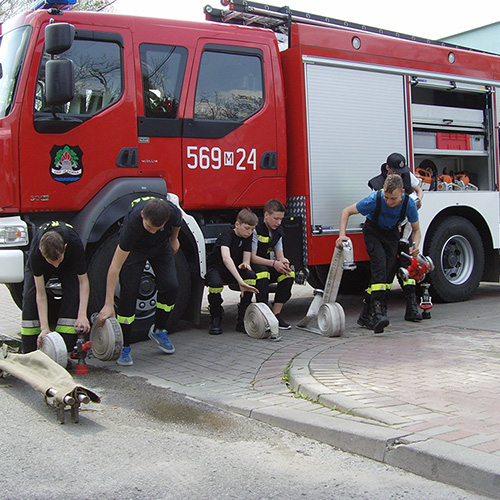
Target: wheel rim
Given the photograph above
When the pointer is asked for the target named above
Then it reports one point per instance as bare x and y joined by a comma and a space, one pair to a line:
457, 259
146, 297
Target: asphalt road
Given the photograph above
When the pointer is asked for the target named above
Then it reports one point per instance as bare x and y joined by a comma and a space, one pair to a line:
146, 442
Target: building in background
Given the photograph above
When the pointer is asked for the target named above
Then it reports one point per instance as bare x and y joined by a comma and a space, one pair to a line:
486, 38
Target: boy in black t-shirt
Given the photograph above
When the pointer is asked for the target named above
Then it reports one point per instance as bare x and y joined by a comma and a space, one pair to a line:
229, 262
269, 261
56, 251
149, 233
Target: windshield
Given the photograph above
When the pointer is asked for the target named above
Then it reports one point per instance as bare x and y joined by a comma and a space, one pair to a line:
12, 50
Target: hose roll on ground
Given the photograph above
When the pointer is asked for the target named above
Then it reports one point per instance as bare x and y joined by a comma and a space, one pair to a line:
54, 347
331, 319
261, 323
107, 340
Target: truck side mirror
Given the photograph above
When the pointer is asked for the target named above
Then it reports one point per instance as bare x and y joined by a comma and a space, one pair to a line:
59, 81
58, 38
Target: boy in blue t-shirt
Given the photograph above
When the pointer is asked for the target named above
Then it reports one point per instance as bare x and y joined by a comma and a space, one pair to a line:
385, 210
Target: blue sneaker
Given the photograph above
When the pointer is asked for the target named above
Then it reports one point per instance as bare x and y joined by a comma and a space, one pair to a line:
125, 358
160, 337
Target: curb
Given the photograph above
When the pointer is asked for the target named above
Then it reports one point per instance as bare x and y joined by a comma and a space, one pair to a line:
443, 462
448, 463
436, 460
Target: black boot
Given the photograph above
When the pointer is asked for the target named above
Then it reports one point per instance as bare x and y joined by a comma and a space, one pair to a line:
240, 323
215, 325
365, 319
245, 301
412, 309
216, 313
379, 304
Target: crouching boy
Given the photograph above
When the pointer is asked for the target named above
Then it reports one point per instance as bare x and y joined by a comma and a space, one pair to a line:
229, 262
269, 261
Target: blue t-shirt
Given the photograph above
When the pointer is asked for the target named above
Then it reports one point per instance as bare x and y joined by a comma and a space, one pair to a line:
388, 217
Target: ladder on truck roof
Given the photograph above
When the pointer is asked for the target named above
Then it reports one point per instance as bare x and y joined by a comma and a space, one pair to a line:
279, 19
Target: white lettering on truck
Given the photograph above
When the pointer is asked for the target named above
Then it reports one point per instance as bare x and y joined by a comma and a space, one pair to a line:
204, 157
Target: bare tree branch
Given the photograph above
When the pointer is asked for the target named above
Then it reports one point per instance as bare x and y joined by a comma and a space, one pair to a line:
10, 8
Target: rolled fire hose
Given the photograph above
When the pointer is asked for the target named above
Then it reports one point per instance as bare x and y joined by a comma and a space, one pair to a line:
107, 340
54, 347
331, 319
261, 323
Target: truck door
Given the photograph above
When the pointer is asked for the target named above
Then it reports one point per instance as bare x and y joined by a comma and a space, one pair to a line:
230, 146
160, 127
69, 152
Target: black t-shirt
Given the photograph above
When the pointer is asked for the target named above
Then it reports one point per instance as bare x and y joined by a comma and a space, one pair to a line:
237, 245
133, 234
74, 255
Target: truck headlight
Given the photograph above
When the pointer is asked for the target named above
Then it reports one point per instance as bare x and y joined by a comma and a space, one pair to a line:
13, 234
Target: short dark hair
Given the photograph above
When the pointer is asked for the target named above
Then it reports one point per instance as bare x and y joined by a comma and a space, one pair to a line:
51, 245
393, 182
246, 216
274, 205
156, 211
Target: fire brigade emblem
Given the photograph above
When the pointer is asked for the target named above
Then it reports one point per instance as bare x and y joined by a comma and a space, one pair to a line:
66, 165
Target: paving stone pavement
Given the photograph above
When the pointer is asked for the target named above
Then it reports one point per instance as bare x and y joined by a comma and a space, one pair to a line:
421, 396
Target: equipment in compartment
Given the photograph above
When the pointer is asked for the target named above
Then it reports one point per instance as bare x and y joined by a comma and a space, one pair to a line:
431, 180
427, 173
452, 141
425, 178
464, 183
445, 182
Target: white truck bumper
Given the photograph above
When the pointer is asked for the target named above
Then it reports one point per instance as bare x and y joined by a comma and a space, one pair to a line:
13, 234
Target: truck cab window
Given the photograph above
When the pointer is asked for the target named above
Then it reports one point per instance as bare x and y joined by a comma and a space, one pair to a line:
230, 86
98, 78
162, 74
12, 49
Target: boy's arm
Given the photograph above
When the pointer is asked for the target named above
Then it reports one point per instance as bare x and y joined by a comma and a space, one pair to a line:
416, 236
82, 322
174, 239
344, 219
246, 261
281, 263
42, 306
108, 309
231, 266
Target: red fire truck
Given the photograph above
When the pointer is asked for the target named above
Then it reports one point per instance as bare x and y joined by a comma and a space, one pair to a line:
99, 109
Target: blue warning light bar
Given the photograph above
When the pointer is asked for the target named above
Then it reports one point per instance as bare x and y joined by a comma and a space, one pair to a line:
59, 4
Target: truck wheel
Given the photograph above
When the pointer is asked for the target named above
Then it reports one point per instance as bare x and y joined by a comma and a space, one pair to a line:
456, 249
146, 301
317, 276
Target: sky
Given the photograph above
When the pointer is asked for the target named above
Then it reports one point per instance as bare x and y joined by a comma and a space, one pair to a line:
431, 19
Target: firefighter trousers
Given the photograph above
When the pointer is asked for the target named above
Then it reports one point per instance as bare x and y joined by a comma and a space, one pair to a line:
382, 247
216, 278
265, 276
165, 274
68, 310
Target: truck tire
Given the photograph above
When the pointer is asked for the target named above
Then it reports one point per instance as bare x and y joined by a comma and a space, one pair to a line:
456, 248
146, 302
